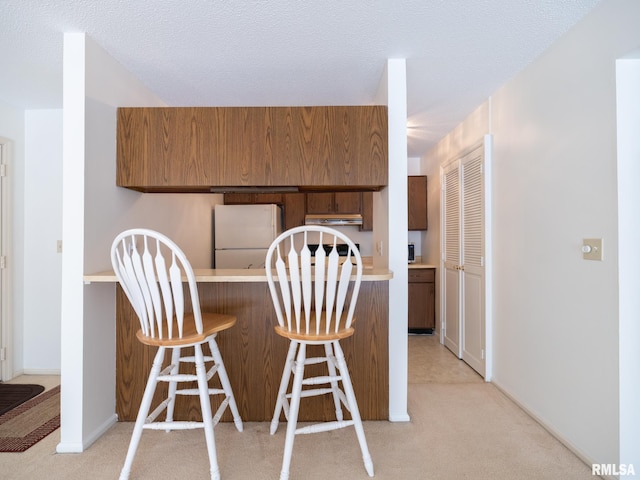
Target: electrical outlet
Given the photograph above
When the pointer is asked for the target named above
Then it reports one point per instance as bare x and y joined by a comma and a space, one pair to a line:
592, 249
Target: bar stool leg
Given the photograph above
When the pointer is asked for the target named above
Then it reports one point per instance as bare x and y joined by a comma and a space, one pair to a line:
226, 385
207, 420
328, 351
282, 391
145, 405
173, 386
353, 407
296, 391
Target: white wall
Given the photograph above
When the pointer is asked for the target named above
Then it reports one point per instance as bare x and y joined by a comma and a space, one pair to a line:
390, 233
42, 228
94, 211
12, 128
462, 139
556, 328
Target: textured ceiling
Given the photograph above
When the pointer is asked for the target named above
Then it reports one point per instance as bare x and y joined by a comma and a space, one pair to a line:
288, 52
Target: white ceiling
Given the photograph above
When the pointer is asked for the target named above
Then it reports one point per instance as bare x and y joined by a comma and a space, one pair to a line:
289, 52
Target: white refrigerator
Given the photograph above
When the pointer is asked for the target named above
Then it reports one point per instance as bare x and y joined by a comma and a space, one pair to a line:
242, 234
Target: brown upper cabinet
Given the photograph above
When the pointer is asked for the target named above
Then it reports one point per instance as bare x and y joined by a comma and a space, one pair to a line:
252, 198
417, 195
334, 202
173, 149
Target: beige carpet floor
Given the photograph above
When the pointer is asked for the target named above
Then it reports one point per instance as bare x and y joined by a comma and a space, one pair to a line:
461, 428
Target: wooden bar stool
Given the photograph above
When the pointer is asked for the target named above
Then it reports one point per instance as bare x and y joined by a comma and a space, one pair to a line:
151, 270
314, 305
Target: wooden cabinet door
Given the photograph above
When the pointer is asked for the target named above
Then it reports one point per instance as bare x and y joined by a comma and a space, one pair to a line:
293, 210
268, 198
422, 300
367, 212
238, 198
338, 202
320, 202
422, 307
417, 207
347, 202
340, 145
252, 198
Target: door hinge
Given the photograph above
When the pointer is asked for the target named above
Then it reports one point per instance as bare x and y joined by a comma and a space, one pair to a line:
3, 169
3, 261
482, 354
3, 354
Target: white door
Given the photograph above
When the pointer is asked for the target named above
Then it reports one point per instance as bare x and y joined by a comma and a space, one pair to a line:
463, 258
450, 305
472, 264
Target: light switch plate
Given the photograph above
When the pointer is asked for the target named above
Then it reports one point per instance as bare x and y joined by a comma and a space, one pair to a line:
592, 249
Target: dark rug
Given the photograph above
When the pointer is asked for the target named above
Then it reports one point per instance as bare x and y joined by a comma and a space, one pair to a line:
30, 422
13, 394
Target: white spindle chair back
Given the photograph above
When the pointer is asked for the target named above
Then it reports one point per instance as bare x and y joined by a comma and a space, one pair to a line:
150, 268
311, 292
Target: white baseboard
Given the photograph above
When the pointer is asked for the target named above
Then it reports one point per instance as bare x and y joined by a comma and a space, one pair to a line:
41, 371
77, 447
69, 447
399, 418
101, 430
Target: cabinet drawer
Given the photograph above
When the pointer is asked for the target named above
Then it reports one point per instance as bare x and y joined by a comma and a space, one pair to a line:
422, 275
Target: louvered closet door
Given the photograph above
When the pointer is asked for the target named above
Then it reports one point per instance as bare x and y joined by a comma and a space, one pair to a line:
451, 240
472, 264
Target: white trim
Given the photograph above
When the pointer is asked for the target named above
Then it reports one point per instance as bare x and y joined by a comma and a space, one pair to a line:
628, 174
6, 323
488, 256
79, 447
41, 371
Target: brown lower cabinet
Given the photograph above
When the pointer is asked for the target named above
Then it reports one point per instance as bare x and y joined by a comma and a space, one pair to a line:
422, 300
254, 355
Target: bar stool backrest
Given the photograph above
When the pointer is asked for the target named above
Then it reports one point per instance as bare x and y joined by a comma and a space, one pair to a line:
151, 269
313, 295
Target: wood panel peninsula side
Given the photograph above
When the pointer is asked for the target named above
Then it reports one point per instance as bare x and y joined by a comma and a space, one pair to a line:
192, 149
254, 354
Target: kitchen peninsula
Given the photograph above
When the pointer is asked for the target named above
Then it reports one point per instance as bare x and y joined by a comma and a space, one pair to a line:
253, 353
301, 151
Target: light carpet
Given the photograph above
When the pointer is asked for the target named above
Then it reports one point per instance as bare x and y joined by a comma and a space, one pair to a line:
460, 428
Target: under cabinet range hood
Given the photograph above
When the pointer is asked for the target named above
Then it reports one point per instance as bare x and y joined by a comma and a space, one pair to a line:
333, 219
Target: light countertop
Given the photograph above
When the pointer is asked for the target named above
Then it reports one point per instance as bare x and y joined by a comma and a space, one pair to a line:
210, 275
421, 265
